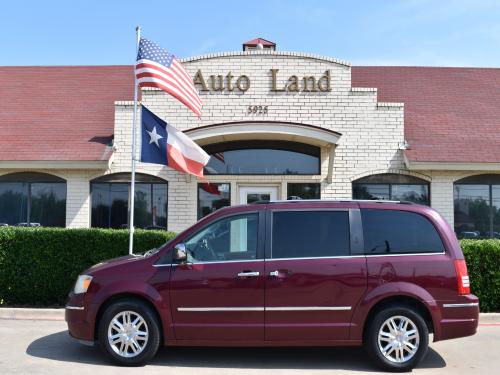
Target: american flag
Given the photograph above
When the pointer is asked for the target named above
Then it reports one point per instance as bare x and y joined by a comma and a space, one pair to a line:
155, 67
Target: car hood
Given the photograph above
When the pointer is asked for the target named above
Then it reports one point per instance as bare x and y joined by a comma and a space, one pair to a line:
114, 262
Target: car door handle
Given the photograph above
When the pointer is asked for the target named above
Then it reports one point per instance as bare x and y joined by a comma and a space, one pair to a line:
248, 274
274, 273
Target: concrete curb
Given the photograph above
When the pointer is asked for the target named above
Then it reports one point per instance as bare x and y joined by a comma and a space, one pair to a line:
489, 318
58, 314
31, 314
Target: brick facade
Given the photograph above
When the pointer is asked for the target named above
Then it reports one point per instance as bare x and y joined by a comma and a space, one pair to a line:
372, 133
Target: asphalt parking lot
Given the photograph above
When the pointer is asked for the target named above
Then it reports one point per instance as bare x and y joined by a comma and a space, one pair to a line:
44, 347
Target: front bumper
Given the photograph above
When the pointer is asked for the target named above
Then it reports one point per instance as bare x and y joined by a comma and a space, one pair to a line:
459, 318
76, 315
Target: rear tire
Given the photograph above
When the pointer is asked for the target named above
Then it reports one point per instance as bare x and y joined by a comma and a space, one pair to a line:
397, 338
129, 333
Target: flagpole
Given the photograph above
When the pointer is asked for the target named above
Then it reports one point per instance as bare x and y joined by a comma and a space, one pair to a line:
132, 182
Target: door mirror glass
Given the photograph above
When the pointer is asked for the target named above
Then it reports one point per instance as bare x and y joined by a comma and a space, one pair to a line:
180, 253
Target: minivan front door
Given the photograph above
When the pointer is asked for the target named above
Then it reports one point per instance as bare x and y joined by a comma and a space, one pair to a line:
312, 281
218, 294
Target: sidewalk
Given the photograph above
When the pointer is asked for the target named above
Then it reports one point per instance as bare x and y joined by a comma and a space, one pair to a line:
58, 314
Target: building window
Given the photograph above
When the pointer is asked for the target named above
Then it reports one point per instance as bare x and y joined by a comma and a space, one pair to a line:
477, 206
32, 199
211, 197
263, 157
392, 186
111, 196
303, 191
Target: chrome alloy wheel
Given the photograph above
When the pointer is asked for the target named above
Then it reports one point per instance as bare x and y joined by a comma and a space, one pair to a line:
128, 334
398, 339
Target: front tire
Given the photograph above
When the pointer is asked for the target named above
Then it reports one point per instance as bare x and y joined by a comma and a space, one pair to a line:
397, 338
129, 333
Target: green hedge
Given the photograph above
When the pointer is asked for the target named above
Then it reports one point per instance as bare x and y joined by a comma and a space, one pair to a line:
38, 266
483, 264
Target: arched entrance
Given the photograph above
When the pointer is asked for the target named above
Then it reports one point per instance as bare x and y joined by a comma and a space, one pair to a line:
251, 155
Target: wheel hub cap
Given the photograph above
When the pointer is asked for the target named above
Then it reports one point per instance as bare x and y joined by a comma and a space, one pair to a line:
398, 339
128, 334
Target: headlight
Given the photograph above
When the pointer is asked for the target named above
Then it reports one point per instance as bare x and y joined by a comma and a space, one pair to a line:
82, 284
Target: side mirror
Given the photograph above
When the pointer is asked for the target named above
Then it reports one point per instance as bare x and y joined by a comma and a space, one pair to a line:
180, 253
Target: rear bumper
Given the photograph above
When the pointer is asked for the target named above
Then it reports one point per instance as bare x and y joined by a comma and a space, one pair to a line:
458, 318
76, 316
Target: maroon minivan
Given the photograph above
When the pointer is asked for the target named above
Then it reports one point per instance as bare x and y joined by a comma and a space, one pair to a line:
295, 273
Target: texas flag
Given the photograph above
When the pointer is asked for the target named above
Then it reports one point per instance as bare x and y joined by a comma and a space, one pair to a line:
163, 144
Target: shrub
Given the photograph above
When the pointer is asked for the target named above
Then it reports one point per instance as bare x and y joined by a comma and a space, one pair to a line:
483, 264
38, 266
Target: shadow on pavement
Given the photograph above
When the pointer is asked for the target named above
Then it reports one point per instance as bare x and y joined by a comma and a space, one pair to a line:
61, 347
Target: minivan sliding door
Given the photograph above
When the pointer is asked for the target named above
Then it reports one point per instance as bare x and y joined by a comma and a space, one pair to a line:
313, 283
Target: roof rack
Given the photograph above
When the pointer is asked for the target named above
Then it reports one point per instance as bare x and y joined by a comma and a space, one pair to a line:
332, 200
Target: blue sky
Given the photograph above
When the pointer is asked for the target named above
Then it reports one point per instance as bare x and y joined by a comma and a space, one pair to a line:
369, 32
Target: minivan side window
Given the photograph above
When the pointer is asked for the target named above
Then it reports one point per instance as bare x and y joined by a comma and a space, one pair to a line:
399, 232
305, 234
231, 238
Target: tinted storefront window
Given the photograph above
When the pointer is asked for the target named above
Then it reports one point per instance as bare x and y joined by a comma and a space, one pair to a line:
302, 234
477, 207
110, 202
48, 204
263, 157
392, 186
211, 197
32, 199
13, 203
396, 232
303, 191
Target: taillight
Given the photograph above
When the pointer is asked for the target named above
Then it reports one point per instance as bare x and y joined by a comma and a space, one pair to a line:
462, 277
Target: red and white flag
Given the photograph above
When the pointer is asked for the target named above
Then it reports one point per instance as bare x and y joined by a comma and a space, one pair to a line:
163, 144
156, 67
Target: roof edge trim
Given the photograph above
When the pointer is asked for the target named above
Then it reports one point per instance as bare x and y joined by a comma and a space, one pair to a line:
54, 164
450, 166
265, 52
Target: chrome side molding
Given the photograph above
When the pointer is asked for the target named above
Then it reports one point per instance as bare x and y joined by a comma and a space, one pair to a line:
308, 308
471, 304
212, 309
75, 307
261, 308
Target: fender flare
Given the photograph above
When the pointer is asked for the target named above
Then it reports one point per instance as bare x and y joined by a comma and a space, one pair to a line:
388, 291
141, 290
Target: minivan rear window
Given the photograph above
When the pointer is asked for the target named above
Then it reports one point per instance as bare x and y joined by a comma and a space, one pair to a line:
305, 234
397, 232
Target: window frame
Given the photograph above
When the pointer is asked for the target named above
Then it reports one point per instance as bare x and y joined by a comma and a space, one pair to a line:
198, 197
356, 243
484, 179
302, 183
417, 181
259, 256
30, 178
154, 181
